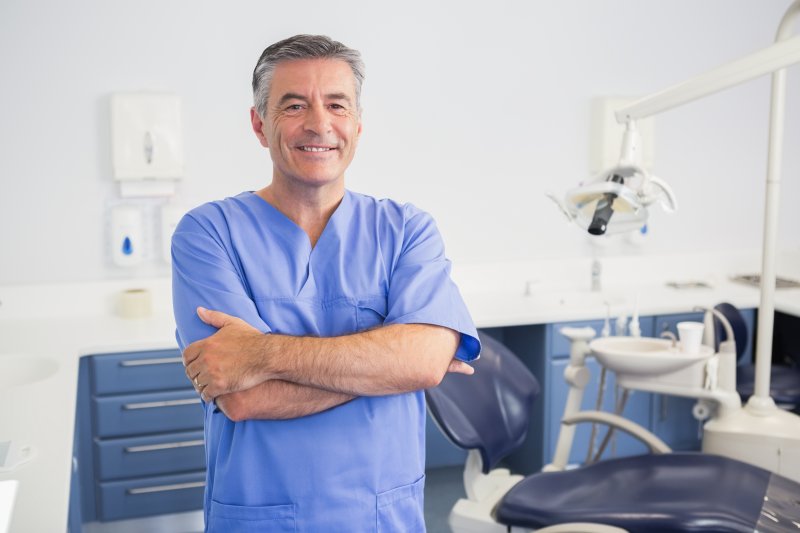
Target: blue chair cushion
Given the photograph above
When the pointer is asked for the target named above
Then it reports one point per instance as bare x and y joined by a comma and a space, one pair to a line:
784, 380
674, 492
784, 384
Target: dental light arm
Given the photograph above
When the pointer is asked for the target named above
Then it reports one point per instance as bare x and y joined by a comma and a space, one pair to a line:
772, 58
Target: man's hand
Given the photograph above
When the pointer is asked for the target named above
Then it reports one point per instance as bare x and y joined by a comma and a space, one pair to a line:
227, 361
460, 367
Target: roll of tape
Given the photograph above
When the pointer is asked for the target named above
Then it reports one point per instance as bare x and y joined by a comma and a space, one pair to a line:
135, 303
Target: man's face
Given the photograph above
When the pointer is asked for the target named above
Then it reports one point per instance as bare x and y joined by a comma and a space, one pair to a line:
312, 124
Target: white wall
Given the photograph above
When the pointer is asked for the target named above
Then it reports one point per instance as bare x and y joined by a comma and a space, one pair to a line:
472, 111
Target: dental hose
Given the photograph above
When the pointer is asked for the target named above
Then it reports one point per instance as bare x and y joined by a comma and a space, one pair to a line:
601, 391
620, 407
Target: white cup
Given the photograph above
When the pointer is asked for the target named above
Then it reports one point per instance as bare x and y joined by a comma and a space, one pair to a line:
691, 336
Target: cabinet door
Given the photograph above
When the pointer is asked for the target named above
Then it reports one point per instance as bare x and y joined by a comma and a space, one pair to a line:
637, 409
672, 415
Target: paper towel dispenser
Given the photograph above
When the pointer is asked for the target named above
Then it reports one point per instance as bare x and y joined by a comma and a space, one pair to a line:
146, 142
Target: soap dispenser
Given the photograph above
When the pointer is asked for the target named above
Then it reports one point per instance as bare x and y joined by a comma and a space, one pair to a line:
127, 236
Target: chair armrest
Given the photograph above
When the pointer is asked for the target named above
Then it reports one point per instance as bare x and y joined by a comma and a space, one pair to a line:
655, 444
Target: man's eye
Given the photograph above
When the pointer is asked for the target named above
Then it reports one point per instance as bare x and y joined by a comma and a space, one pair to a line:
337, 108
294, 108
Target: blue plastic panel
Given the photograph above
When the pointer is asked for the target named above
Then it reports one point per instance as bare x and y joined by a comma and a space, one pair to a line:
138, 372
158, 412
163, 454
156, 495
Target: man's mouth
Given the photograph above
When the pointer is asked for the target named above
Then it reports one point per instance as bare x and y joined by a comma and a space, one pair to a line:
316, 148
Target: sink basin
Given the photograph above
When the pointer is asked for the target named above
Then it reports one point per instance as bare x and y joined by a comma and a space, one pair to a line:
643, 356
17, 370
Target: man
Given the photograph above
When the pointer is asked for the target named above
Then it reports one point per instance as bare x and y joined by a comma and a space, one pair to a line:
311, 318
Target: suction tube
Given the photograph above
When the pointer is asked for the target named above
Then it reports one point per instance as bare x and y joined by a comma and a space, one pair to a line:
604, 210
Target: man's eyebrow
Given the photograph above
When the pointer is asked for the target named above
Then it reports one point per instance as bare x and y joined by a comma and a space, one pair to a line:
291, 96
338, 96
332, 96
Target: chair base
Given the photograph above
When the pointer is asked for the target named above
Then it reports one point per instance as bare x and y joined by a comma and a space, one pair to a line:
475, 516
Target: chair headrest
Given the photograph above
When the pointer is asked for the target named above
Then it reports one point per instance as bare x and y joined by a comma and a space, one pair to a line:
489, 410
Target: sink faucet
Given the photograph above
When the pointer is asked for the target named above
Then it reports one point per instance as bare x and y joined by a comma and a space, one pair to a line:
597, 270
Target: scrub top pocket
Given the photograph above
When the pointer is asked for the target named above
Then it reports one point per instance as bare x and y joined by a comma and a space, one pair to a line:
400, 509
224, 518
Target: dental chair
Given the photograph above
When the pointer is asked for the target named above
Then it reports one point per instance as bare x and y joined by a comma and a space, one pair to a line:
489, 414
784, 379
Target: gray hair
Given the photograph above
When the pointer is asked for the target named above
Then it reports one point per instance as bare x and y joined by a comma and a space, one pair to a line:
302, 47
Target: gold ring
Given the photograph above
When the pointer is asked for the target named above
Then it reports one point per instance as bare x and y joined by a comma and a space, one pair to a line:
195, 382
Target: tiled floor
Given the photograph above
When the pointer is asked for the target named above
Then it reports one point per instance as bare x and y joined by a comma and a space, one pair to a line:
443, 487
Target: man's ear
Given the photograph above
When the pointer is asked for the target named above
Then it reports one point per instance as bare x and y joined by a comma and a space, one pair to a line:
258, 127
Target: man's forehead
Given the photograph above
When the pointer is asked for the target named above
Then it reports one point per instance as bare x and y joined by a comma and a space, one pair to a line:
299, 74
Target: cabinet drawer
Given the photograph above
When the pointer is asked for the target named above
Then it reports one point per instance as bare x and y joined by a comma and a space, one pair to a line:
138, 372
160, 412
149, 456
135, 498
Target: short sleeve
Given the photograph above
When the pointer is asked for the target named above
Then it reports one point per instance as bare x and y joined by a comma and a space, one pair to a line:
204, 274
420, 288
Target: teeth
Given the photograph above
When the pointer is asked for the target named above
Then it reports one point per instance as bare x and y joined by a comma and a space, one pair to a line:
314, 149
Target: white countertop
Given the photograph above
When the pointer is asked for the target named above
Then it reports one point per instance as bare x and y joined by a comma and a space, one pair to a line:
67, 321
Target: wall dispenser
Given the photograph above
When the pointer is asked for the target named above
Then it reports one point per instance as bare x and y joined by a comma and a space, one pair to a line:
127, 236
147, 151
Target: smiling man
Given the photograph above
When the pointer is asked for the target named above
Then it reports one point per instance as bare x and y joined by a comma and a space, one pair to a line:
311, 318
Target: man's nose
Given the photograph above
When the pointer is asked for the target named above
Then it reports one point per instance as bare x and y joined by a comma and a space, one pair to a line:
317, 120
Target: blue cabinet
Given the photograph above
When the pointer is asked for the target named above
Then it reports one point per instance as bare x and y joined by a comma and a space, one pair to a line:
139, 437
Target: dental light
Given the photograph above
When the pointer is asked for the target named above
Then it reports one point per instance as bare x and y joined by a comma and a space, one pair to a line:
759, 433
616, 200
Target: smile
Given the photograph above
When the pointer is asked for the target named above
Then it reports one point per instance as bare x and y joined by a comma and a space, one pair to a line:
315, 149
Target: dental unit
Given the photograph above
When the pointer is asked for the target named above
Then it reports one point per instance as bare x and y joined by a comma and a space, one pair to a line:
616, 201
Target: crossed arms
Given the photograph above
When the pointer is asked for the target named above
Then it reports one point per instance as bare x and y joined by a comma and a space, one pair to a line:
253, 375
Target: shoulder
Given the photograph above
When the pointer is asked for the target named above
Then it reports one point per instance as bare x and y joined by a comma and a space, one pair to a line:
215, 216
386, 210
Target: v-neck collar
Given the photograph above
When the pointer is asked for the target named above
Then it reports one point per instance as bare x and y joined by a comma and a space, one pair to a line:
291, 229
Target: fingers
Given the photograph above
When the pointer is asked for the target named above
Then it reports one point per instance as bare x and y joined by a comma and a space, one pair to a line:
460, 367
190, 353
217, 319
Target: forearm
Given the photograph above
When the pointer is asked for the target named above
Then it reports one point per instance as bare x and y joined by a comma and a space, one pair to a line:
278, 400
388, 360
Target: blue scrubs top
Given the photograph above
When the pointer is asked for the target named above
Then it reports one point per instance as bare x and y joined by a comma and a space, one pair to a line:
356, 467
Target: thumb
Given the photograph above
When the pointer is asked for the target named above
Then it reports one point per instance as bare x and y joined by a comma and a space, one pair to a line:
460, 367
217, 319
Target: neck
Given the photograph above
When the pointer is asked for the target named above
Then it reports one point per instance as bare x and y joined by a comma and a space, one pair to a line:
309, 208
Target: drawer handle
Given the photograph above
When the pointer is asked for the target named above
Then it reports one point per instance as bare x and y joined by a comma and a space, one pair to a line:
165, 446
167, 488
167, 403
145, 362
